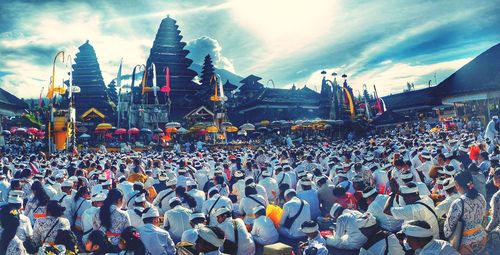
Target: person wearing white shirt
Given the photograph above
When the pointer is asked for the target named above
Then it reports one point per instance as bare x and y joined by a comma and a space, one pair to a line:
88, 214
213, 203
379, 241
136, 210
347, 235
263, 230
155, 239
231, 227
198, 195
196, 220
249, 202
176, 220
295, 212
451, 195
311, 196
282, 177
407, 177
376, 203
416, 208
420, 238
65, 199
270, 185
210, 240
239, 185
161, 200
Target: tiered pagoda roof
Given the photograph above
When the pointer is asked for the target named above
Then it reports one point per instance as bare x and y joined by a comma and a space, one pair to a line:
87, 75
168, 51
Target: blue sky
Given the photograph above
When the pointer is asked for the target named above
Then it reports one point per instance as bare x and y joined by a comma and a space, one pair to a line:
386, 43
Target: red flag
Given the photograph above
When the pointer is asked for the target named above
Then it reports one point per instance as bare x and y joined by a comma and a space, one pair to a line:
166, 88
34, 169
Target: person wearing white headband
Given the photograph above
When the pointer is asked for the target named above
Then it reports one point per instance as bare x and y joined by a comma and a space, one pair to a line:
244, 242
156, 240
379, 241
295, 212
161, 200
196, 220
420, 238
214, 202
347, 235
88, 215
176, 220
311, 230
263, 231
197, 194
451, 195
270, 185
415, 207
210, 240
376, 203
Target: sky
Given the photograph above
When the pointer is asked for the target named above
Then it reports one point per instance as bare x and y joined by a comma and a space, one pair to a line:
386, 43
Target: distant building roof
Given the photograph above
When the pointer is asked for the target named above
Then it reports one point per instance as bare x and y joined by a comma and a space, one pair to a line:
416, 99
229, 86
388, 118
479, 75
10, 104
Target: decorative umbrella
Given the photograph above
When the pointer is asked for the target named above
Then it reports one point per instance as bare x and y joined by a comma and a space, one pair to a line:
20, 131
199, 125
85, 136
247, 127
171, 130
226, 124
262, 129
158, 131
145, 130
212, 129
265, 123
231, 129
255, 134
201, 132
299, 122
40, 134
104, 126
6, 132
120, 131
32, 130
173, 125
182, 131
133, 131
13, 130
242, 132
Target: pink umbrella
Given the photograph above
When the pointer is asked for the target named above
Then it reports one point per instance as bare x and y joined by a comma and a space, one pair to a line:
133, 131
32, 130
120, 131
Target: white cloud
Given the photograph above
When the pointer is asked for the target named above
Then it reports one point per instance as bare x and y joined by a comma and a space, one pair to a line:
204, 45
392, 77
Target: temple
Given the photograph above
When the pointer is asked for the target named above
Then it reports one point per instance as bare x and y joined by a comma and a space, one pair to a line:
87, 75
168, 51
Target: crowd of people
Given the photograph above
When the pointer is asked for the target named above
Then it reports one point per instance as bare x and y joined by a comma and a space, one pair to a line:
416, 192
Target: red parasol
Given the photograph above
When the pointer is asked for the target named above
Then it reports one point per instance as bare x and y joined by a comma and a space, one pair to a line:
32, 130
133, 131
120, 131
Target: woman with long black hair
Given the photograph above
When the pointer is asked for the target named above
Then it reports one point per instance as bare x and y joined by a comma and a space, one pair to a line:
80, 203
131, 243
470, 208
35, 208
10, 244
111, 219
45, 229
